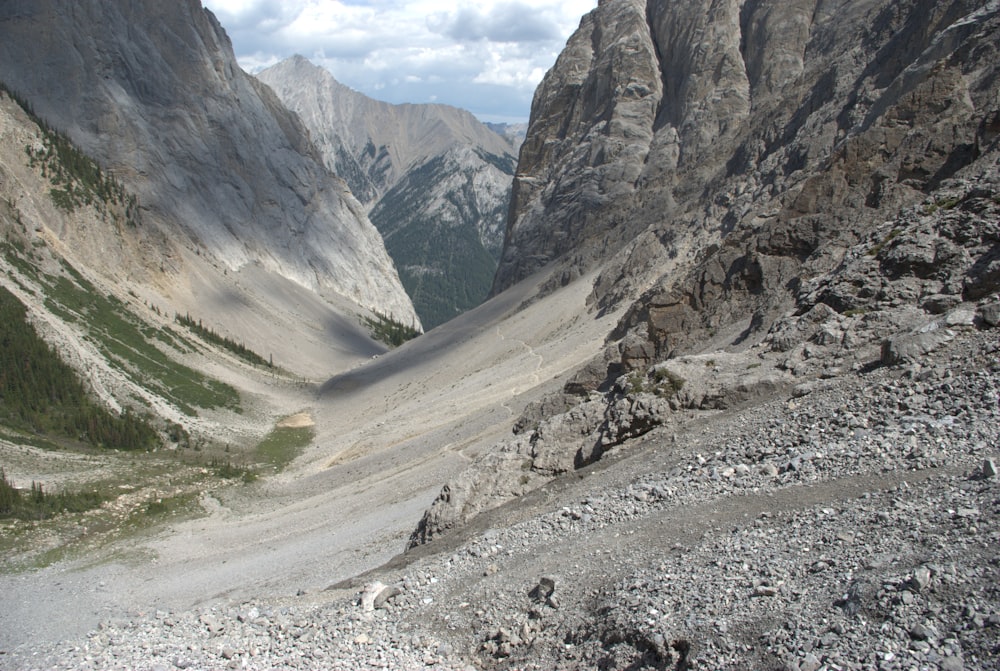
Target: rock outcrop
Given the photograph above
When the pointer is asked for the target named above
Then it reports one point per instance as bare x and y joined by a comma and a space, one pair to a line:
679, 124
436, 181
153, 92
781, 194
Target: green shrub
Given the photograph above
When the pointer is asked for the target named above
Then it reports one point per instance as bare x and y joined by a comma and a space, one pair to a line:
210, 336
668, 383
37, 504
390, 331
40, 393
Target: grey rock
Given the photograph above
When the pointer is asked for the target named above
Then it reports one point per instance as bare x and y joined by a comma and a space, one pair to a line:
810, 663
385, 596
212, 623
424, 171
212, 154
913, 346
369, 595
921, 632
920, 580
990, 313
545, 588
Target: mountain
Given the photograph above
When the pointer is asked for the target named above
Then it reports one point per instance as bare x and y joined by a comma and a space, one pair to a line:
219, 166
777, 195
514, 132
681, 127
734, 403
436, 182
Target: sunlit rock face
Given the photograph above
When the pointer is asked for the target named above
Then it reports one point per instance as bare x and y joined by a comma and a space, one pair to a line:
669, 130
152, 91
436, 182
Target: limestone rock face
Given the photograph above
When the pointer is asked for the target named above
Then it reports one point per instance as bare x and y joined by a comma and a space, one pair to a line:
153, 92
436, 181
781, 193
591, 130
675, 129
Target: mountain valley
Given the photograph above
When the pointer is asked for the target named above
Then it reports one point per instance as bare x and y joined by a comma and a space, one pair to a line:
733, 401
435, 180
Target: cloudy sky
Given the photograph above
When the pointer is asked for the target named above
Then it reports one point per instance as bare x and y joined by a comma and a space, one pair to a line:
485, 56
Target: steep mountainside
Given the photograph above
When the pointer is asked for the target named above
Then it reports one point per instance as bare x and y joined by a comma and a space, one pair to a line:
779, 195
753, 375
436, 181
153, 92
684, 123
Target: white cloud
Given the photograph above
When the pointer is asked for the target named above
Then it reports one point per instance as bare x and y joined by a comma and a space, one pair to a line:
484, 56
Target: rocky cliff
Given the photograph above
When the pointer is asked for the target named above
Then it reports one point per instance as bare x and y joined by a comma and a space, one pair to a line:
780, 194
436, 181
153, 92
685, 122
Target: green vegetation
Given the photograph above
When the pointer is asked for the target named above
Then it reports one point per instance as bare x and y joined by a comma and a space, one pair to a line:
283, 444
386, 329
664, 383
76, 179
40, 393
167, 506
942, 204
126, 342
667, 382
443, 266
37, 504
210, 336
227, 470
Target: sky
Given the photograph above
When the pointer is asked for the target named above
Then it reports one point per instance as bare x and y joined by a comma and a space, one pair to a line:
486, 57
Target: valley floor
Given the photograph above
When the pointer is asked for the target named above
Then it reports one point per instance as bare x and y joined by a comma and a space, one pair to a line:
855, 527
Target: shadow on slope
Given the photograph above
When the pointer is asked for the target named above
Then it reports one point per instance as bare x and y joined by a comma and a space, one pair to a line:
432, 345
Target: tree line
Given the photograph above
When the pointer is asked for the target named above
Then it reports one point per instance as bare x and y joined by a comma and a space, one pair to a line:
39, 392
210, 336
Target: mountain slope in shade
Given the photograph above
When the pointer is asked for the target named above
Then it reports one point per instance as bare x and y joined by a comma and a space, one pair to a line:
153, 92
436, 180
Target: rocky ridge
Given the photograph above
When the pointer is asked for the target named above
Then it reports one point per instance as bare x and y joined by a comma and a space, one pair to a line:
781, 275
429, 175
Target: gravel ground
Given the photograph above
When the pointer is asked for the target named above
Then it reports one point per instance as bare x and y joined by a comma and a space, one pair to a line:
856, 527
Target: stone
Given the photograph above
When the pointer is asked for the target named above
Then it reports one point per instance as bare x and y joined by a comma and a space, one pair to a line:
990, 313
212, 623
386, 595
921, 579
921, 632
371, 592
810, 662
913, 346
545, 588
989, 469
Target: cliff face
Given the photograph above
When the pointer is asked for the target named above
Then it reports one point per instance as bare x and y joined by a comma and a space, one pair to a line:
153, 92
436, 181
778, 194
682, 123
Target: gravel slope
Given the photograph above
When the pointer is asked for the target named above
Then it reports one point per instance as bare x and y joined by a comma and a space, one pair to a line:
851, 528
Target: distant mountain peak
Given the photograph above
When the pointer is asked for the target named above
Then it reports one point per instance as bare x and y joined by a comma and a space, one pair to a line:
436, 180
